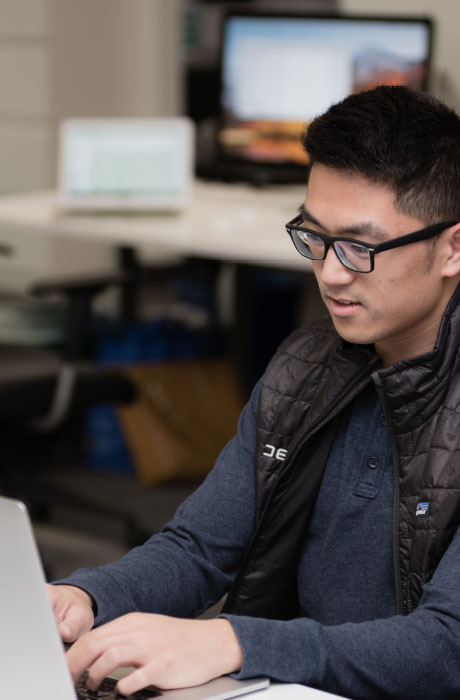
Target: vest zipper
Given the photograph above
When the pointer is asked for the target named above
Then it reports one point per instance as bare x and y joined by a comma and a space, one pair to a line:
394, 454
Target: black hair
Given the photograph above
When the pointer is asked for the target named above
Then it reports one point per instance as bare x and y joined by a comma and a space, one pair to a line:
398, 137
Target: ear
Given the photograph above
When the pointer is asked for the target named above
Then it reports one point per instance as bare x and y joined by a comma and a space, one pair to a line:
451, 266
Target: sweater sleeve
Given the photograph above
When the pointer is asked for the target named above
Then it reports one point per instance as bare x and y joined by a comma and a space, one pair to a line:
413, 656
190, 564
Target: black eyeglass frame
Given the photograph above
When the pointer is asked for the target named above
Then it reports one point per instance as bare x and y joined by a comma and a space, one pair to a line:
329, 241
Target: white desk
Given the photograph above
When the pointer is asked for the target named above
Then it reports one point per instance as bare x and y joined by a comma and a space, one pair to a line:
224, 221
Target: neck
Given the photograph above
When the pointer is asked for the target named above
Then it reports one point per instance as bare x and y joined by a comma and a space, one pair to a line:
409, 345
417, 340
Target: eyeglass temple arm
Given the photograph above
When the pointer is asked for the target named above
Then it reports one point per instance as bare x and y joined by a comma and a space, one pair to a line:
422, 235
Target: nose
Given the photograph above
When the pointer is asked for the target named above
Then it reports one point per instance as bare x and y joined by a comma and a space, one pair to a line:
332, 272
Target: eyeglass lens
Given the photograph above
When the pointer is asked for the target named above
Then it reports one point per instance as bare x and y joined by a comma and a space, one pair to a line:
352, 255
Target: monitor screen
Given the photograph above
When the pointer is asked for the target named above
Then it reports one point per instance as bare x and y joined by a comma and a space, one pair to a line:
279, 72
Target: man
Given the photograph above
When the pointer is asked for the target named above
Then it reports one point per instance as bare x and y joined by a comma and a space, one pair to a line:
339, 547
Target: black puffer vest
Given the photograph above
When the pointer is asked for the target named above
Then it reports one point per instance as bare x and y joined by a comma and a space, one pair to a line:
310, 380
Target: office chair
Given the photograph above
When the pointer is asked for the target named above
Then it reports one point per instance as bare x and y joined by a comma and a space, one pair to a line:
41, 413
42, 399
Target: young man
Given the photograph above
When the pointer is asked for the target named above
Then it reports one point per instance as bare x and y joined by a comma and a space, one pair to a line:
332, 516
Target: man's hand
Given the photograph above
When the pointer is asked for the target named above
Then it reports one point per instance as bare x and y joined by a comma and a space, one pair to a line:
165, 651
73, 611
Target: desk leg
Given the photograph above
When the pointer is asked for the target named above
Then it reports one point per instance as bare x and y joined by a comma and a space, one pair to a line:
266, 311
129, 263
244, 335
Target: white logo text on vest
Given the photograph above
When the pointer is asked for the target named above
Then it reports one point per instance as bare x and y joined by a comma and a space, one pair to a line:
277, 453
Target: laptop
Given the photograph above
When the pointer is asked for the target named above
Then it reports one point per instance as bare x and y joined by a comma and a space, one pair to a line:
125, 165
32, 657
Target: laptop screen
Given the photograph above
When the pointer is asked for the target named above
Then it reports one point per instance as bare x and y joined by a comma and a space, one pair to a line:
279, 72
125, 163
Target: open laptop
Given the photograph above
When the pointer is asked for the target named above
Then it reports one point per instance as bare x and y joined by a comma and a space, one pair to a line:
32, 658
125, 165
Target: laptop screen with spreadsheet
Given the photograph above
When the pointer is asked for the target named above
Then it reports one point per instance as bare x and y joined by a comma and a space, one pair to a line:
125, 164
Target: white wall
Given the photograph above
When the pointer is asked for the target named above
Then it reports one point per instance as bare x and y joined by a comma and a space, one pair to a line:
25, 104
64, 58
446, 14
117, 57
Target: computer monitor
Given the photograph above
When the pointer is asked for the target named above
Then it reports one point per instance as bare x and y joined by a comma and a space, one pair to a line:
279, 72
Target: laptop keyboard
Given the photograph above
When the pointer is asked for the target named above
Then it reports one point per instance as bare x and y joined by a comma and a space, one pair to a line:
107, 690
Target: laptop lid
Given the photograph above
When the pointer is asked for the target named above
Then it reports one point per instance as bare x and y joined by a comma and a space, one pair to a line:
125, 165
31, 652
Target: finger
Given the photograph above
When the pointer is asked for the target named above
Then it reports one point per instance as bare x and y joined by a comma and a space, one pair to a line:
61, 610
112, 658
57, 601
136, 680
66, 632
74, 618
83, 653
74, 623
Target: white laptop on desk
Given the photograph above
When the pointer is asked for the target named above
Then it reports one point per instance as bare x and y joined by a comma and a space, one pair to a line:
32, 659
125, 165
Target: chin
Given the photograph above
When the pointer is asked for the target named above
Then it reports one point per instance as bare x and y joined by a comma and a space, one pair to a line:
353, 335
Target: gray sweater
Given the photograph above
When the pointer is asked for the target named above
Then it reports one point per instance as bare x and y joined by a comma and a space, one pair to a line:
349, 639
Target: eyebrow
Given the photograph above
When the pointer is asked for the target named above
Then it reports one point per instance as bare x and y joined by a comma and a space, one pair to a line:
363, 229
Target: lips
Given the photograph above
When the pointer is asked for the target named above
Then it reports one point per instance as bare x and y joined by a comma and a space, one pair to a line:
341, 306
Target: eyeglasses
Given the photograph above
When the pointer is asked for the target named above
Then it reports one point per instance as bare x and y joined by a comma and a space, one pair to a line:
355, 255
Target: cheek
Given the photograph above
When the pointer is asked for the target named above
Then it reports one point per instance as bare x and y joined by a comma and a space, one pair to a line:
403, 295
385, 288
390, 294
400, 280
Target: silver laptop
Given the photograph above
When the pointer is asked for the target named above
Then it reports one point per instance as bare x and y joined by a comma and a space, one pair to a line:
32, 658
125, 165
